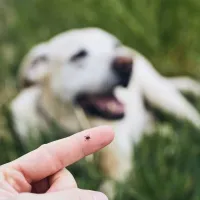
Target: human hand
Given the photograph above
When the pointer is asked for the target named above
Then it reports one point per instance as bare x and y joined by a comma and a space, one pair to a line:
41, 174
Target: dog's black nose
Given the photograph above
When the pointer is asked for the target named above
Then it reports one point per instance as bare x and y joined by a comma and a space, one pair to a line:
123, 67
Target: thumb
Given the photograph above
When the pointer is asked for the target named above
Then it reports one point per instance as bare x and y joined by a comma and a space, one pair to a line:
72, 194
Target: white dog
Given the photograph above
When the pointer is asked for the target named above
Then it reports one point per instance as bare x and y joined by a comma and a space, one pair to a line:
85, 78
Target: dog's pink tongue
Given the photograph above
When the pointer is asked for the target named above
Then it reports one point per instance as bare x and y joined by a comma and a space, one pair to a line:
109, 104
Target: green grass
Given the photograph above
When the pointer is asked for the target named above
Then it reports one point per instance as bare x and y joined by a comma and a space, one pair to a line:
167, 163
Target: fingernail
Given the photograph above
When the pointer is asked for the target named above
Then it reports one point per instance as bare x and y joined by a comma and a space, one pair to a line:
99, 196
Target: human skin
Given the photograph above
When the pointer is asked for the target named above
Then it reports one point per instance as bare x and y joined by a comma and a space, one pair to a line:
41, 174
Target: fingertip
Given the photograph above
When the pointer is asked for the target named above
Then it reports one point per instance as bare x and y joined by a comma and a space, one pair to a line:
106, 132
109, 132
95, 139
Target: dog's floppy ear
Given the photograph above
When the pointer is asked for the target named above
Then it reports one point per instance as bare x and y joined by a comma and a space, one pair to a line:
34, 67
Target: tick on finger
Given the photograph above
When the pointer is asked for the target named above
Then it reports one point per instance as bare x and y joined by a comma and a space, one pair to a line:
87, 137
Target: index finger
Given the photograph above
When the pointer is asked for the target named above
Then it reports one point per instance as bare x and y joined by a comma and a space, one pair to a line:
51, 158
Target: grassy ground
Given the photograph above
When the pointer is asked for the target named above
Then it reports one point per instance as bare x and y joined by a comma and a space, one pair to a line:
167, 163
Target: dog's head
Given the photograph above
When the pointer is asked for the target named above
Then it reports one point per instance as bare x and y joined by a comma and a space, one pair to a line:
85, 66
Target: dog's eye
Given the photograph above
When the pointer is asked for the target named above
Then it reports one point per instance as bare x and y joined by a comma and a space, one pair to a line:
42, 58
81, 54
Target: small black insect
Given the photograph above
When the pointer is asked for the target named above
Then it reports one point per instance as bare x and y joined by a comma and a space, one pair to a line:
87, 137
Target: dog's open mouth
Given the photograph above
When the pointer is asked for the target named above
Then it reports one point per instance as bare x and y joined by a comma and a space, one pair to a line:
105, 105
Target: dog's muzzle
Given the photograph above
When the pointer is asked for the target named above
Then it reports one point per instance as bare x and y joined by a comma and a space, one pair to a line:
106, 105
123, 67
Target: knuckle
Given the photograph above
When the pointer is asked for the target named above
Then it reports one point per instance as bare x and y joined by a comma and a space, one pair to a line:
51, 156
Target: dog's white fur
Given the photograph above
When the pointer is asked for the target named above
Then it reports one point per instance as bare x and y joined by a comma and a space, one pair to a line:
59, 81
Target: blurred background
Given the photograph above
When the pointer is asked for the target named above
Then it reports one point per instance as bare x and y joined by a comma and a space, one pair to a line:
165, 31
